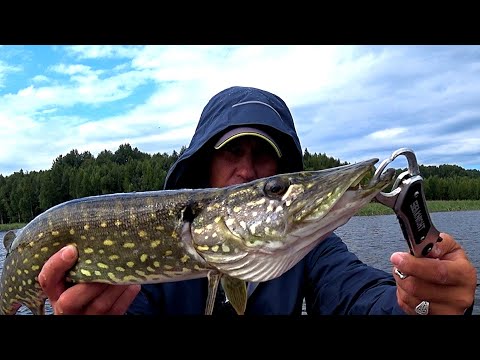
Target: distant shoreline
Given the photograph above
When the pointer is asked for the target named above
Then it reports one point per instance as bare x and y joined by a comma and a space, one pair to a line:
368, 210
432, 205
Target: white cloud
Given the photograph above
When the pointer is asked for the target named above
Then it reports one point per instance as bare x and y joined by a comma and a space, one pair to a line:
40, 78
351, 102
386, 134
102, 51
5, 70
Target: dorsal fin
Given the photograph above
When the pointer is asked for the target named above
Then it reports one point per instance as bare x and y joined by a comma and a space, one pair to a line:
8, 240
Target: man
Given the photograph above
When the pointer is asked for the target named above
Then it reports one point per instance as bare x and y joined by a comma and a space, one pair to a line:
243, 134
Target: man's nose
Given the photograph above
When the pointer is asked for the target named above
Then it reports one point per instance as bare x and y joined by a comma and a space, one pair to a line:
246, 168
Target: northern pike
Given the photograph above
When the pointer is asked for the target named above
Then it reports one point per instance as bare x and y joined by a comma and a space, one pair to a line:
254, 231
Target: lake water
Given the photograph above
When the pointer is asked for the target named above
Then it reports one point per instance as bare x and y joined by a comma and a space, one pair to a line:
375, 238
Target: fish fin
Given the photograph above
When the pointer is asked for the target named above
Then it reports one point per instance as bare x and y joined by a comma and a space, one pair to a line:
236, 293
213, 280
8, 240
251, 288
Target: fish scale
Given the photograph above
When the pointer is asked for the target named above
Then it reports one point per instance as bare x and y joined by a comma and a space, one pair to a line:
248, 232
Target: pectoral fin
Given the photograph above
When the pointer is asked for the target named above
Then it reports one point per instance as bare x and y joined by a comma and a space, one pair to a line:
236, 293
8, 240
213, 280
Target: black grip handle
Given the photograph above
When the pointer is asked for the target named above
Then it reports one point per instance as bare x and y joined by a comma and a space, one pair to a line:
414, 218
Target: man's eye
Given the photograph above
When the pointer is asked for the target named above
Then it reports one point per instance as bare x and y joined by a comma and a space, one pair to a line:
264, 150
233, 149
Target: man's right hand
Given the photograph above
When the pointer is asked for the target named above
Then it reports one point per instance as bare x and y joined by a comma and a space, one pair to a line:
83, 298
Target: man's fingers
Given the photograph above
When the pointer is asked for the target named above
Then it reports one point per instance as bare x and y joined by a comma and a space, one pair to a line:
75, 300
447, 249
445, 278
408, 303
115, 300
446, 264
52, 275
434, 271
96, 298
91, 298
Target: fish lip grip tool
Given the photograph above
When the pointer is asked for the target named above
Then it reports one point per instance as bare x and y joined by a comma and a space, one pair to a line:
407, 200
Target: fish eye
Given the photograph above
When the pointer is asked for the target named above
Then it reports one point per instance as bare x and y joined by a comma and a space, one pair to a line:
276, 186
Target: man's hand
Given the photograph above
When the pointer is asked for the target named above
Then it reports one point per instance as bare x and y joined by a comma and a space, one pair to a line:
445, 278
84, 298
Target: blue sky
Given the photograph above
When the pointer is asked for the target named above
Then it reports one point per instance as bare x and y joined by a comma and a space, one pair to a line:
349, 102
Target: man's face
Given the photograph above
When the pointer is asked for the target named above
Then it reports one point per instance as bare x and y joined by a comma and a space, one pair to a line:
241, 160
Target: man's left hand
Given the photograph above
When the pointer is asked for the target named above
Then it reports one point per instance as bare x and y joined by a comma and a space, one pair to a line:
446, 279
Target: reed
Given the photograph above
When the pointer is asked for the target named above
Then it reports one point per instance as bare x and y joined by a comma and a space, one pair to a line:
12, 226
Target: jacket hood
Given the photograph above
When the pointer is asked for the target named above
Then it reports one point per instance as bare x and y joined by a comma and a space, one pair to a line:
233, 107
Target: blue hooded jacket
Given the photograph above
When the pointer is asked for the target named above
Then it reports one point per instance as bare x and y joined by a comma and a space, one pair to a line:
330, 279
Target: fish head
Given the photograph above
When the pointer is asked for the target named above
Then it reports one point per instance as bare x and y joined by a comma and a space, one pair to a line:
258, 230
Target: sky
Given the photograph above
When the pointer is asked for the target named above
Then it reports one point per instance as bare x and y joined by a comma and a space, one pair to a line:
349, 102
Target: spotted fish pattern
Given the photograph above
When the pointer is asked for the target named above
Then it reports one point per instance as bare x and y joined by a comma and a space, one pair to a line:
249, 232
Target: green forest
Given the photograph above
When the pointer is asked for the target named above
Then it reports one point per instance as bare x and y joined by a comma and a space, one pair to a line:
24, 195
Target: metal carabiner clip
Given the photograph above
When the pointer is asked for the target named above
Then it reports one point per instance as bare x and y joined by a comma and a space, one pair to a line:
407, 200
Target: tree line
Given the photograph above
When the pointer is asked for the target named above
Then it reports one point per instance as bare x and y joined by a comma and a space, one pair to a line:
24, 195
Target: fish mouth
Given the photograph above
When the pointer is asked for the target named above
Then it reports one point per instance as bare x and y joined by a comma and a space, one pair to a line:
327, 187
345, 201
